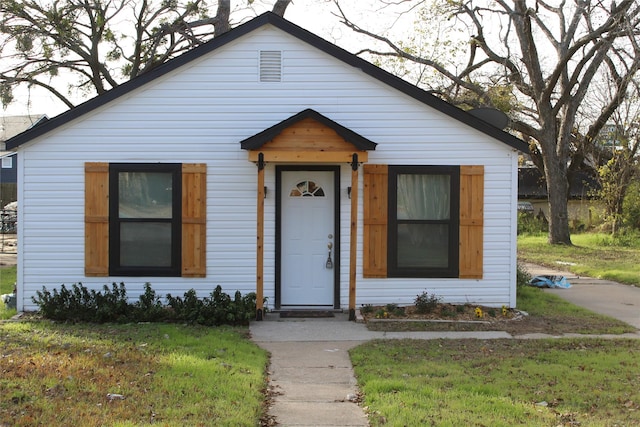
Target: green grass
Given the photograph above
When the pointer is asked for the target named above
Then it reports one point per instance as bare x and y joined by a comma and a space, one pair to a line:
7, 281
170, 375
500, 382
592, 254
588, 382
553, 315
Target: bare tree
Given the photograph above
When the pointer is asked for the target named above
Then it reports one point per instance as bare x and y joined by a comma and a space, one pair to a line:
98, 44
544, 57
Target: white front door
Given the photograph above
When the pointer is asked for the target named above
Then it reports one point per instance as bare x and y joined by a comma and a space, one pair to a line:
308, 242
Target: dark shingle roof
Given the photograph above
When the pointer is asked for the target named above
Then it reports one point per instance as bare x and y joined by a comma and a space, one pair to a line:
296, 31
532, 185
258, 140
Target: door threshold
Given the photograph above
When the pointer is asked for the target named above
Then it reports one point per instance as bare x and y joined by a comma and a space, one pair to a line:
306, 308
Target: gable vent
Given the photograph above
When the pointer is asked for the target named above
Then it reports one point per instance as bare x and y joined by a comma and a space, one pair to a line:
270, 66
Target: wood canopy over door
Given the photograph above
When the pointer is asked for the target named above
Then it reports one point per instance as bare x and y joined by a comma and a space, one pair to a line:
305, 139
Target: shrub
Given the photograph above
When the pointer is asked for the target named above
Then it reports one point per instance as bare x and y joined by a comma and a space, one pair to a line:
530, 224
366, 309
631, 206
216, 309
391, 307
399, 311
426, 303
149, 307
523, 277
186, 309
111, 305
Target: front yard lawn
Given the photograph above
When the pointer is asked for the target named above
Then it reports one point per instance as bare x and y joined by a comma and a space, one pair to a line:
126, 375
552, 382
592, 254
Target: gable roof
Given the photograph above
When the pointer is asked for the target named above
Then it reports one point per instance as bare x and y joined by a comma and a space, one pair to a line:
258, 140
270, 18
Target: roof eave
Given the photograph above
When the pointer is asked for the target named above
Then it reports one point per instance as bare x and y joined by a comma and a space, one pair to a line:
258, 140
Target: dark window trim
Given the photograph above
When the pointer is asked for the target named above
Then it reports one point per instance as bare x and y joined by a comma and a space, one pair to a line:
114, 221
452, 270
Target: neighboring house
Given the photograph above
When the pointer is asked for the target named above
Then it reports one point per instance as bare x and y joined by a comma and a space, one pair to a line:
8, 189
9, 127
271, 161
8, 167
583, 208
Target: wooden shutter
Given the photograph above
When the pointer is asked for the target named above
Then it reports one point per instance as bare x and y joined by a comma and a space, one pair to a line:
375, 198
194, 216
96, 219
471, 221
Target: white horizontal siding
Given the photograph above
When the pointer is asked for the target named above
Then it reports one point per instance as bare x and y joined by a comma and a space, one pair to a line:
200, 113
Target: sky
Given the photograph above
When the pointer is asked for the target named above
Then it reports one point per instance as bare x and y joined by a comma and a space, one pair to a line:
316, 16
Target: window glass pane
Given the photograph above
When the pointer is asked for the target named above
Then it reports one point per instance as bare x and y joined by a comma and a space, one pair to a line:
306, 189
423, 245
145, 244
145, 194
423, 197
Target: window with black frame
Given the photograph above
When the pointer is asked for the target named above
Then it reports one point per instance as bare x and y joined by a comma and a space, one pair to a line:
423, 221
144, 219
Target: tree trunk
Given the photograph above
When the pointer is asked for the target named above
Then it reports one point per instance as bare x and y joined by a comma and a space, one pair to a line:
221, 24
558, 193
280, 7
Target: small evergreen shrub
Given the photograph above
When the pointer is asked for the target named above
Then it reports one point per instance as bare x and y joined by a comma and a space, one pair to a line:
149, 307
391, 307
426, 303
216, 309
366, 309
399, 311
78, 304
111, 305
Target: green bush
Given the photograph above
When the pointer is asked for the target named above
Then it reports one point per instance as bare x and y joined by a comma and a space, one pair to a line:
426, 303
111, 305
81, 305
631, 206
217, 309
149, 307
523, 277
530, 224
366, 309
627, 238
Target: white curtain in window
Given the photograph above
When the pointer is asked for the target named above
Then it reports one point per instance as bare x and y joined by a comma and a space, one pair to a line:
423, 197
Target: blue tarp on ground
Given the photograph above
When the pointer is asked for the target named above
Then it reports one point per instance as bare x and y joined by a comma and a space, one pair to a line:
550, 282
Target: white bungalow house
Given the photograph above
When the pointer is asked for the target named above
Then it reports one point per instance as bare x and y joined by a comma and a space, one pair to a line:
271, 161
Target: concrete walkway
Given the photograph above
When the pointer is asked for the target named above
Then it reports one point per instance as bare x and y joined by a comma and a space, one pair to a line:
612, 299
311, 376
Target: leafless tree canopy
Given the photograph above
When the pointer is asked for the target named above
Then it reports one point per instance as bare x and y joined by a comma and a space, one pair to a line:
536, 60
101, 43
